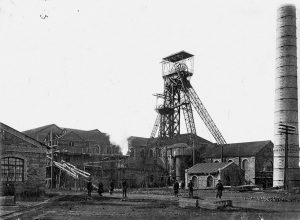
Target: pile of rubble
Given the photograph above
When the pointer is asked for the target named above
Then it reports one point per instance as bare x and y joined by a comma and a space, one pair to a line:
274, 199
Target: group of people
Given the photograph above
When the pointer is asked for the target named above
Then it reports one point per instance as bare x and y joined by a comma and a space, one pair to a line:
190, 186
111, 188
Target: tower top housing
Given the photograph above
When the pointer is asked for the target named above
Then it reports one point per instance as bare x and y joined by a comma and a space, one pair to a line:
182, 55
178, 61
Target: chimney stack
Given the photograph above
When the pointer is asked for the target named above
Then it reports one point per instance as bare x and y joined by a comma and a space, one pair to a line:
286, 98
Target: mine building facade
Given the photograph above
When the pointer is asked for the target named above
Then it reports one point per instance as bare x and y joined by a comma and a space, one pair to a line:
74, 140
255, 158
89, 151
23, 162
165, 159
206, 175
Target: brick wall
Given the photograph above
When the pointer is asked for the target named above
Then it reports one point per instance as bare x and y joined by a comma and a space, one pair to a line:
34, 167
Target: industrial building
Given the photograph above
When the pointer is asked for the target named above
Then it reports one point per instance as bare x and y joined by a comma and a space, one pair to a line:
77, 155
206, 175
254, 158
23, 162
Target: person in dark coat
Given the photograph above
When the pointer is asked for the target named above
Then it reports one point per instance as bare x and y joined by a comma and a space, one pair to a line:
124, 188
100, 188
190, 186
176, 188
112, 186
89, 187
219, 188
182, 185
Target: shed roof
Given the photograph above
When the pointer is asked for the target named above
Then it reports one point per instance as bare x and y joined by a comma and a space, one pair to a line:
244, 149
207, 168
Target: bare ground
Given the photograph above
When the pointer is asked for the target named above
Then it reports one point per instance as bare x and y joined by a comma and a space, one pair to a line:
161, 204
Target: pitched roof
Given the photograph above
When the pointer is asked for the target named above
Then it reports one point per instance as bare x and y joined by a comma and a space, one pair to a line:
237, 149
207, 168
23, 136
91, 136
41, 132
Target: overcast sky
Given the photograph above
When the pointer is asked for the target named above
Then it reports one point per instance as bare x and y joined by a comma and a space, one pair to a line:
95, 64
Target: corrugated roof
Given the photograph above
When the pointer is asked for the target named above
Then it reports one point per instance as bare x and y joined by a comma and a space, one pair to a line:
207, 168
244, 149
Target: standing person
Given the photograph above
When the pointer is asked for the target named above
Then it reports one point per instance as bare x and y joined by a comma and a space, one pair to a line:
124, 188
191, 185
219, 188
176, 188
89, 187
182, 185
100, 188
112, 186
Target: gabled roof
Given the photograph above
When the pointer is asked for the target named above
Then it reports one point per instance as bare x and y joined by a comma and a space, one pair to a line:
245, 149
207, 168
40, 133
22, 136
90, 136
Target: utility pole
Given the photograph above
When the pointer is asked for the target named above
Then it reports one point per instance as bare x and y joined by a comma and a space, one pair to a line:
51, 146
286, 130
221, 153
193, 149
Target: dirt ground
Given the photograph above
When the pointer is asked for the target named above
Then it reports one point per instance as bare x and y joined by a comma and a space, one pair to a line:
161, 204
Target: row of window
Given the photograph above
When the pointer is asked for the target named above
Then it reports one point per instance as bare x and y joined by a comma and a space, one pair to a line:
12, 169
267, 166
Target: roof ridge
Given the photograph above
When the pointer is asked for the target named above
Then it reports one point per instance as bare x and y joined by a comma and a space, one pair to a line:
21, 135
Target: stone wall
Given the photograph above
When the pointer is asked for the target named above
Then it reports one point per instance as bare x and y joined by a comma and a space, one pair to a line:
34, 167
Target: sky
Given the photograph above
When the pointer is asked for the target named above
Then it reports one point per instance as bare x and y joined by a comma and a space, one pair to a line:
96, 64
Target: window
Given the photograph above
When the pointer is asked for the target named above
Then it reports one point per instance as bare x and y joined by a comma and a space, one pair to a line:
71, 143
12, 169
209, 181
131, 152
245, 164
268, 166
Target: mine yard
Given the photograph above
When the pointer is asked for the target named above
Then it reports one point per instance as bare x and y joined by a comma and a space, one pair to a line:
158, 203
87, 139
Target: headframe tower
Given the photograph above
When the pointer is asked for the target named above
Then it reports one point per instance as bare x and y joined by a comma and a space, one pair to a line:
179, 96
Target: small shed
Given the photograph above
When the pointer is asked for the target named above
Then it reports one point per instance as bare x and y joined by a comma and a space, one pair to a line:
206, 175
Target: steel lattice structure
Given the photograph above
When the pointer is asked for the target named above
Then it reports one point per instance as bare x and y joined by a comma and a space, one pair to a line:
178, 96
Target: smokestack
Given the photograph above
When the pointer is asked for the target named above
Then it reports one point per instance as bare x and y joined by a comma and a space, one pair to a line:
286, 97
